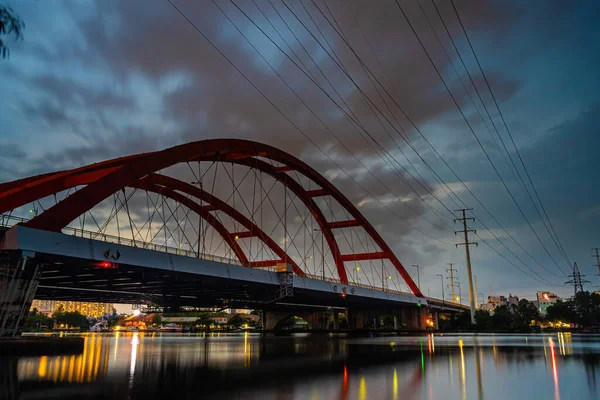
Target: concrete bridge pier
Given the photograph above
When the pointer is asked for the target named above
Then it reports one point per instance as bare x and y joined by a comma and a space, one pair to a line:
19, 278
408, 318
317, 319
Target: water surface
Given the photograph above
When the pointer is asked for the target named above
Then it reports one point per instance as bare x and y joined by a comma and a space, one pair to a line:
249, 366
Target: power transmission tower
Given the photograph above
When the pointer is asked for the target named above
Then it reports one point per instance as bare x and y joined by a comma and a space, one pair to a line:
452, 279
597, 255
482, 298
466, 243
576, 280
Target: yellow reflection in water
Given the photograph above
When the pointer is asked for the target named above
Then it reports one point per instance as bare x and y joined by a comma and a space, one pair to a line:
395, 385
463, 373
79, 368
362, 389
43, 364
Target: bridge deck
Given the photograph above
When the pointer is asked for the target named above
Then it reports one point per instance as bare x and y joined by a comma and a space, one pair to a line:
74, 268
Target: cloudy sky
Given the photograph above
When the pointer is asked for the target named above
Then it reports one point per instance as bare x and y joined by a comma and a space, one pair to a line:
93, 80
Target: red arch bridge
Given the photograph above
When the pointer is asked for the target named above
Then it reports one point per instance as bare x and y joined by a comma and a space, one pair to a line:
215, 223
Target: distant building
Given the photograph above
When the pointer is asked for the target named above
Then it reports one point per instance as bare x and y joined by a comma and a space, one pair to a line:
96, 310
220, 320
499, 301
545, 300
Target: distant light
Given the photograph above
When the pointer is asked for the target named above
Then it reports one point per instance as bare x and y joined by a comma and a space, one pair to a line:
31, 210
357, 268
136, 312
546, 296
390, 277
236, 237
457, 298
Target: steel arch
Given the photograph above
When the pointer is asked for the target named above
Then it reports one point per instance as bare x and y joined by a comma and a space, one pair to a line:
110, 176
172, 184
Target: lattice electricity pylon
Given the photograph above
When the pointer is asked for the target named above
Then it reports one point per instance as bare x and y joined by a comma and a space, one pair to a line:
262, 206
576, 280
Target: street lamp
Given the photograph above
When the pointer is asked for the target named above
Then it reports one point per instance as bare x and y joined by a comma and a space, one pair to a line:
356, 270
322, 250
459, 294
418, 275
443, 295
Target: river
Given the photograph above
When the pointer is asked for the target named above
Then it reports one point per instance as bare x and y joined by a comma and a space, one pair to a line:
250, 366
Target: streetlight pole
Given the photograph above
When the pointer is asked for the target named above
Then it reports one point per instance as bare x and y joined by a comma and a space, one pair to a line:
443, 295
322, 250
459, 293
418, 275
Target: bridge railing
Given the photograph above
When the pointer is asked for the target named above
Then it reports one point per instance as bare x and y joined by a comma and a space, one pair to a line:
361, 285
10, 220
448, 303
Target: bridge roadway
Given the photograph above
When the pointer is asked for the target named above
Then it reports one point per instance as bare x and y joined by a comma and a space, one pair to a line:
84, 269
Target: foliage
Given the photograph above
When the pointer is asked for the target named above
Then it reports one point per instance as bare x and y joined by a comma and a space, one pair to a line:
71, 318
508, 318
237, 321
583, 310
156, 319
562, 311
37, 322
525, 314
10, 24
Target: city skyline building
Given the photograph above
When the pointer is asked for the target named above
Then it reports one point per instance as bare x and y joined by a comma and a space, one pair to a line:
88, 309
545, 300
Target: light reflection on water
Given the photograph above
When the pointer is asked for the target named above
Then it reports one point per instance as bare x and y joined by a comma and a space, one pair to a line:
248, 366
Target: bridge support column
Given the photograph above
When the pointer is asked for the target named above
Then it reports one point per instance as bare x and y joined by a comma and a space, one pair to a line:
318, 320
363, 319
435, 316
413, 317
19, 278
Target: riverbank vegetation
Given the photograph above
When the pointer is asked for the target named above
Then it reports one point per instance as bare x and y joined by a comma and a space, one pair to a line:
581, 312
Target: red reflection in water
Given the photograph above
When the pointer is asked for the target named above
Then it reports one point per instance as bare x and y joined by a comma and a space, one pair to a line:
554, 369
344, 394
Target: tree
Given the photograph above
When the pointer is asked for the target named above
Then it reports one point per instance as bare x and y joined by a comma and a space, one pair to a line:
561, 311
72, 319
156, 319
10, 24
525, 314
587, 308
502, 318
37, 321
236, 321
483, 320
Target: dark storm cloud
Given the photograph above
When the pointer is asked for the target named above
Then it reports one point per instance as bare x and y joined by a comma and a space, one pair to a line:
132, 76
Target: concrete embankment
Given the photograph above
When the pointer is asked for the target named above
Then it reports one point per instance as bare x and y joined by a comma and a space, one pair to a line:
31, 346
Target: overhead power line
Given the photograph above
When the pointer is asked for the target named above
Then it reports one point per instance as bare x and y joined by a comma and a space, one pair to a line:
511, 137
477, 138
294, 124
423, 136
